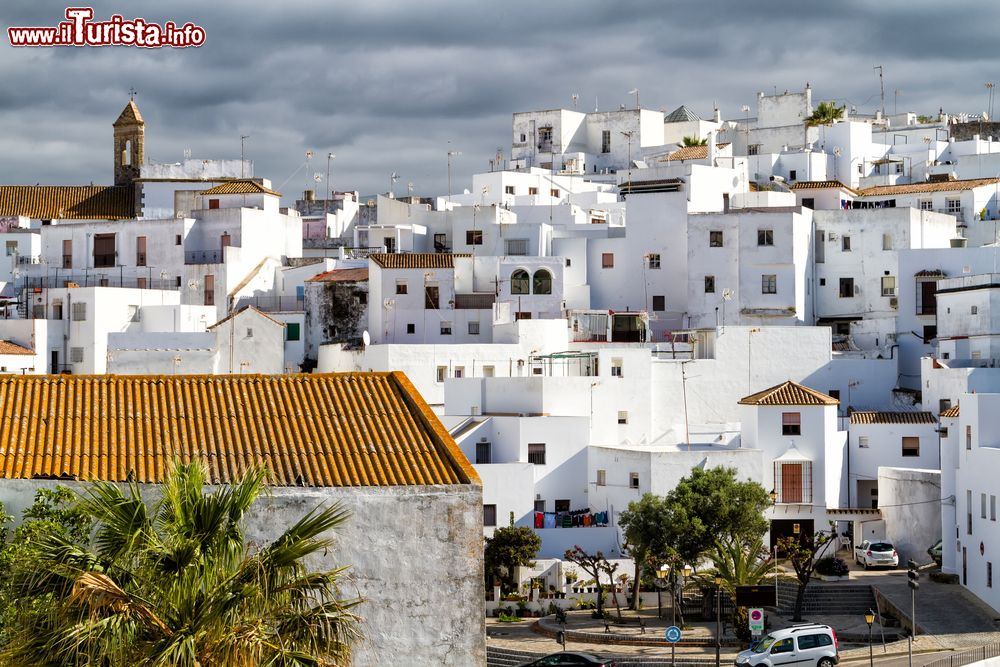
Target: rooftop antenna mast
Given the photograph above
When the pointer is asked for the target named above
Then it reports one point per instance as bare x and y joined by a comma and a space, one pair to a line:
881, 85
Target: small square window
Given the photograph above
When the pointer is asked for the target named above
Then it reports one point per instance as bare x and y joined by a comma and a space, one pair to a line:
76, 354
539, 505
441, 373
616, 368
863, 442
845, 243
489, 515
79, 311
536, 453
401, 287
623, 417
709, 284
293, 331
474, 237
446, 328
177, 240
846, 288
888, 285
769, 284
508, 189
765, 237
569, 262
792, 175
411, 328
602, 478
562, 505
975, 310
659, 303
531, 191
791, 423
608, 260
633, 480
459, 371
474, 328
911, 446
554, 192
715, 239
654, 260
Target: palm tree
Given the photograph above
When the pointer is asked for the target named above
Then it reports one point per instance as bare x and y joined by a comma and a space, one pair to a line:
825, 114
693, 141
174, 582
739, 564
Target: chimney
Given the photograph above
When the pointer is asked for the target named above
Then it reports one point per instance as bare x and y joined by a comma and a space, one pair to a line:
717, 117
712, 149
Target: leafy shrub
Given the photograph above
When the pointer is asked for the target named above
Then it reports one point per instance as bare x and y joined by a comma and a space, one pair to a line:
832, 567
508, 618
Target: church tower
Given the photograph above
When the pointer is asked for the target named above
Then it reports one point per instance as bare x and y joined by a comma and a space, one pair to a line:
130, 137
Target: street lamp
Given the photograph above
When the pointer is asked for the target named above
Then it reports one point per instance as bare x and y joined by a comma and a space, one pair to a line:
661, 576
718, 619
869, 619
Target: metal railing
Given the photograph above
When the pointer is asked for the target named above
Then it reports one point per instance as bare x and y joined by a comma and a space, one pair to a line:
95, 280
272, 304
24, 260
203, 256
362, 253
104, 260
967, 657
474, 301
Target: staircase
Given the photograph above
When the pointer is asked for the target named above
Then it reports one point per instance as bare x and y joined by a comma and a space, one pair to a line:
503, 657
833, 599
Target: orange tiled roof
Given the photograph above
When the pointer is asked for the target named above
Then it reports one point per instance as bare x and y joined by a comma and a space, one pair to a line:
340, 275
953, 411
242, 186
874, 417
237, 312
788, 393
320, 430
816, 185
936, 186
68, 202
7, 347
417, 260
692, 152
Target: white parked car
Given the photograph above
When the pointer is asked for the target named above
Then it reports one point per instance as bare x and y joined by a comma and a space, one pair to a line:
876, 554
804, 645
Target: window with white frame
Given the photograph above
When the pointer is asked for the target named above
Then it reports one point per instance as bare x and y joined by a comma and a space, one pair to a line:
925, 205
616, 367
953, 205
769, 283
623, 417
765, 237
654, 260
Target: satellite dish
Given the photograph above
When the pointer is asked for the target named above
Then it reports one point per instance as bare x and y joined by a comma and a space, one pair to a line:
366, 338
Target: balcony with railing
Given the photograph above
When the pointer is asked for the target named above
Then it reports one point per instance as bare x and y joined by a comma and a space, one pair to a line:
203, 257
273, 304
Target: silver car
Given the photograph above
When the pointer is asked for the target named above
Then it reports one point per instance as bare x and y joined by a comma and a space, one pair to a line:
808, 645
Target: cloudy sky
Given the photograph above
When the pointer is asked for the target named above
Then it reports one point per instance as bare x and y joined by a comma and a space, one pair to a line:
387, 84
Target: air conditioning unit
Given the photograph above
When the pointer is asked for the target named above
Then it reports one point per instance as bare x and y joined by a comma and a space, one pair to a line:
894, 302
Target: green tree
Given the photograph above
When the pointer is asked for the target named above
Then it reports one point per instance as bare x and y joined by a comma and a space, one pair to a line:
693, 141
509, 548
595, 565
174, 582
646, 528
711, 504
740, 564
825, 113
803, 552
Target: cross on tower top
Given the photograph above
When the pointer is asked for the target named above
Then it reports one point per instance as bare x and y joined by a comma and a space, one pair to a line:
131, 92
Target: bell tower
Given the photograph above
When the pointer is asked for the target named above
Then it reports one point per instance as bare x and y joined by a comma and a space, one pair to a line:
130, 137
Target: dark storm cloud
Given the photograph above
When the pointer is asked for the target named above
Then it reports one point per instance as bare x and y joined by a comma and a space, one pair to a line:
386, 85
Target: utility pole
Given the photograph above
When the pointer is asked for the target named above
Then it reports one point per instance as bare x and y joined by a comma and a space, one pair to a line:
243, 154
912, 575
628, 135
326, 197
881, 85
450, 155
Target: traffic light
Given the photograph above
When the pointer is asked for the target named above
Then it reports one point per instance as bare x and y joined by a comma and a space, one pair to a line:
912, 574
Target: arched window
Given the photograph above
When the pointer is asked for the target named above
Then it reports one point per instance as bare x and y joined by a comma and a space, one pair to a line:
542, 282
520, 282
127, 153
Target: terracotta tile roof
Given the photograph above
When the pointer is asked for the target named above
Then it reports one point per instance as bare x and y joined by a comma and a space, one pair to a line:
929, 273
941, 186
417, 260
816, 185
789, 393
321, 430
130, 115
340, 275
68, 202
240, 187
692, 153
239, 311
953, 411
874, 417
7, 347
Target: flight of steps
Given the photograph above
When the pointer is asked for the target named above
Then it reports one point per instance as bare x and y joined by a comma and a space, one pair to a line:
841, 599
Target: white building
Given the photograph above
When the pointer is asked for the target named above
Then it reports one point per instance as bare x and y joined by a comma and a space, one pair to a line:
878, 439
